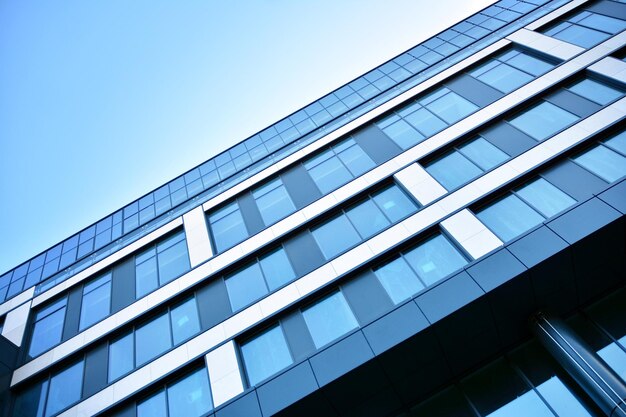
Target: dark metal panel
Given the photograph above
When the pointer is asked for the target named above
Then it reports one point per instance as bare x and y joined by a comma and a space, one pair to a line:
574, 180
508, 139
573, 103
96, 367
583, 220
304, 253
298, 336
475, 91
496, 269
247, 406
287, 388
72, 314
300, 186
367, 297
376, 144
616, 196
250, 213
213, 304
123, 285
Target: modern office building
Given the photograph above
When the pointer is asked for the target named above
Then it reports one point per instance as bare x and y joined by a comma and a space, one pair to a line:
442, 236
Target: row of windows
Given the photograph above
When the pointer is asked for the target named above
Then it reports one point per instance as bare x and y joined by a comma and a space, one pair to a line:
586, 29
471, 159
330, 318
529, 205
154, 267
262, 144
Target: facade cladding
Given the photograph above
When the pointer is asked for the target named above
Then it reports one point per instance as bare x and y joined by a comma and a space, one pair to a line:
443, 236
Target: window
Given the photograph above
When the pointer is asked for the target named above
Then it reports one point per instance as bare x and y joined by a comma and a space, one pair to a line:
543, 120
257, 279
273, 201
510, 70
161, 264
604, 161
338, 165
121, 357
595, 91
524, 208
185, 321
434, 259
329, 319
398, 279
586, 29
48, 328
152, 339
64, 389
188, 397
265, 355
362, 221
227, 227
425, 117
96, 303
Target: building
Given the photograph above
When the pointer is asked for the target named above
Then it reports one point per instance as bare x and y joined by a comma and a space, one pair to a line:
443, 236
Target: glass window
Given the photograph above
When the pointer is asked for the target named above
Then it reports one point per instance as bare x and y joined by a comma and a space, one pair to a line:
191, 396
65, 389
545, 197
277, 269
173, 258
617, 143
329, 319
367, 218
335, 236
398, 279
146, 275
604, 162
245, 286
426, 122
152, 339
121, 357
48, 328
453, 170
509, 217
154, 406
227, 227
394, 203
185, 321
338, 165
543, 120
401, 132
595, 91
96, 303
434, 259
451, 107
265, 355
273, 201
483, 153
503, 77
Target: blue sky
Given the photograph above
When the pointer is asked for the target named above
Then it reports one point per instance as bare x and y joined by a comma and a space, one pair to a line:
103, 101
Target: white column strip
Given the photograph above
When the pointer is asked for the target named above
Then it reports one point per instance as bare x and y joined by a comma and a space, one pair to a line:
610, 67
15, 324
224, 374
197, 234
420, 184
545, 44
471, 234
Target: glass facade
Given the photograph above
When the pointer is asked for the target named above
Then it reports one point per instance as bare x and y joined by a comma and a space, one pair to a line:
586, 29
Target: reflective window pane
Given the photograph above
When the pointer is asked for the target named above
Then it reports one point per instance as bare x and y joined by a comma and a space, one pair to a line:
191, 396
545, 197
121, 354
505, 78
245, 286
561, 399
173, 261
394, 203
509, 217
277, 269
329, 319
595, 91
453, 170
265, 355
329, 175
543, 120
96, 303
152, 339
356, 160
399, 280
483, 153
424, 121
451, 107
335, 236
603, 162
367, 218
65, 389
185, 321
48, 328
154, 406
403, 134
435, 259
617, 143
146, 277
273, 201
227, 227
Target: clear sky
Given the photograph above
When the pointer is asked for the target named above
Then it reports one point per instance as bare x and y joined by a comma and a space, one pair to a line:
103, 101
